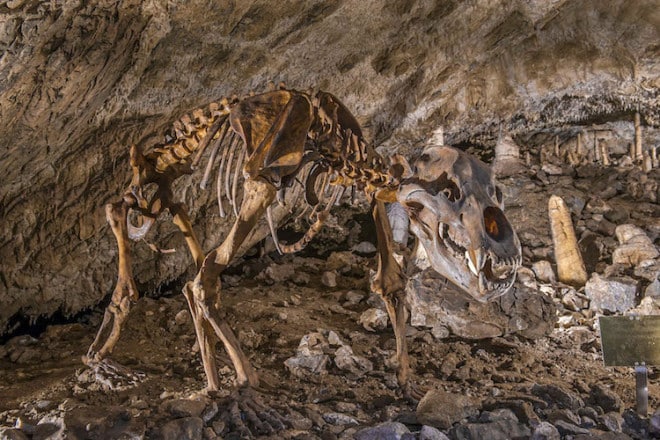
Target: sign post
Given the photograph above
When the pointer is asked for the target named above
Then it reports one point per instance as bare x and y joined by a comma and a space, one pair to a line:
632, 341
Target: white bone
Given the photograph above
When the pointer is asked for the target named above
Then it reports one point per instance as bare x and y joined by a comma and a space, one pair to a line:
399, 222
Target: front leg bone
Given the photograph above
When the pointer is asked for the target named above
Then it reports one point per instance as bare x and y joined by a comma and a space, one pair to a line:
388, 283
125, 290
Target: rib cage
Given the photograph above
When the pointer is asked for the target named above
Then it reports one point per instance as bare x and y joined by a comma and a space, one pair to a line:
334, 160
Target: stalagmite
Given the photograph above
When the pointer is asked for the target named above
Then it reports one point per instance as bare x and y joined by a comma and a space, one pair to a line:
638, 138
570, 266
654, 157
578, 148
647, 162
631, 151
557, 146
597, 153
604, 153
507, 157
528, 159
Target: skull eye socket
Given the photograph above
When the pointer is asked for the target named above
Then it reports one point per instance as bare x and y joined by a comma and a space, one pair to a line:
497, 226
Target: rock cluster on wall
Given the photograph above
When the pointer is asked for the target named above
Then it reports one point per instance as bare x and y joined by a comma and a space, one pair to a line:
80, 81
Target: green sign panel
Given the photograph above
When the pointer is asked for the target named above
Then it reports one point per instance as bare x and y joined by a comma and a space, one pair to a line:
630, 340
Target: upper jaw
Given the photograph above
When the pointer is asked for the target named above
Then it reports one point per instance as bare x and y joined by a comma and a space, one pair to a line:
479, 272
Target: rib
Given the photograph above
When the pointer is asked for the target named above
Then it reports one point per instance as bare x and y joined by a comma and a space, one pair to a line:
230, 159
221, 170
214, 152
207, 140
273, 232
234, 186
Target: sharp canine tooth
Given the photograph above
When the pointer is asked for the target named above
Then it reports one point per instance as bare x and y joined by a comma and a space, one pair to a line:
482, 282
473, 269
481, 259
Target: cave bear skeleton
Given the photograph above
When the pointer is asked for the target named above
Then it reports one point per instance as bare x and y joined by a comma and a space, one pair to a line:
286, 140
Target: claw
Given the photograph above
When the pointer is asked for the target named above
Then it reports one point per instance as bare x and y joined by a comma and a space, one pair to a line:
112, 375
250, 417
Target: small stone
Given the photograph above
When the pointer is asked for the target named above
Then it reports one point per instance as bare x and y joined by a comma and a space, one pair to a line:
218, 426
500, 430
545, 431
13, 4
440, 332
654, 422
497, 414
47, 430
431, 433
209, 434
352, 298
335, 418
364, 248
544, 272
12, 434
298, 421
279, 273
334, 339
384, 431
613, 421
635, 246
527, 277
572, 301
552, 170
648, 270
611, 294
210, 412
329, 279
347, 361
182, 318
653, 290
606, 399
374, 319
563, 414
555, 394
187, 428
100, 422
566, 428
310, 357
441, 409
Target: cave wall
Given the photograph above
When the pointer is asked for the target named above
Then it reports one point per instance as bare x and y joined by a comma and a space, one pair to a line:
80, 81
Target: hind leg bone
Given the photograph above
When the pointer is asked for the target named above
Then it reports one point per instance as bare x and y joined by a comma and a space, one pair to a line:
203, 293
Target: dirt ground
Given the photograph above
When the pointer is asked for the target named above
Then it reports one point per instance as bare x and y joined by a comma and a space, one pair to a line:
272, 302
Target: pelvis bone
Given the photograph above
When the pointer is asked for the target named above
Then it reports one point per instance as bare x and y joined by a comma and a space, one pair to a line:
456, 213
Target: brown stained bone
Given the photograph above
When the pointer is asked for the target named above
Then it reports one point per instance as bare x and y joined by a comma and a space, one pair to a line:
570, 266
277, 140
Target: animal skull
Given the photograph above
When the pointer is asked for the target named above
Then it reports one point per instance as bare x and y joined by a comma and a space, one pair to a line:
455, 210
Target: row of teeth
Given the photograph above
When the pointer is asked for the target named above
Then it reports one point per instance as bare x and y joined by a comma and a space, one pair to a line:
496, 264
485, 284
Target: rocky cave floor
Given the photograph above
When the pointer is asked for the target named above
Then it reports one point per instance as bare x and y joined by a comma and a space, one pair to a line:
343, 385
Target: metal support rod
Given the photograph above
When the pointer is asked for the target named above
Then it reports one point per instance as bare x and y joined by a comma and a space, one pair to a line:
641, 385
